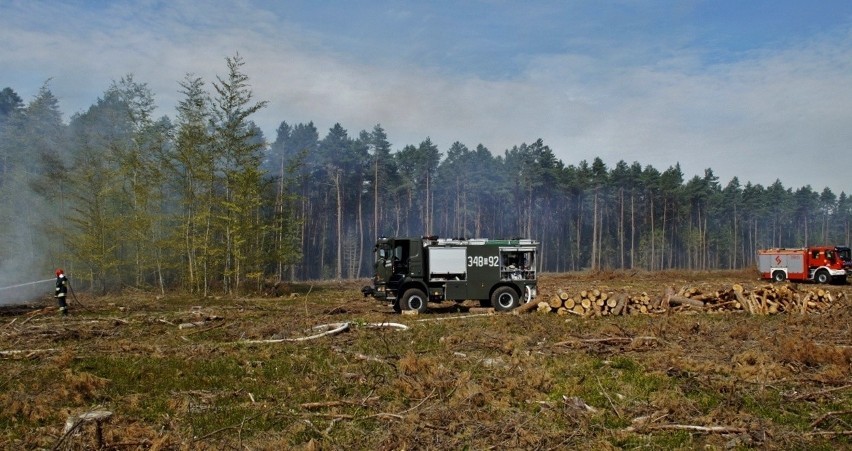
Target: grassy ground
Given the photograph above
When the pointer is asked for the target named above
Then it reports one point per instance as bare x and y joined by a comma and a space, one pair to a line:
223, 373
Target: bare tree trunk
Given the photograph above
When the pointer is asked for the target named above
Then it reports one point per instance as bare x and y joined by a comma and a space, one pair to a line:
674, 231
338, 191
302, 225
806, 243
279, 210
601, 228
427, 217
706, 258
206, 268
322, 245
376, 196
653, 236
579, 230
736, 236
595, 231
398, 215
632, 229
663, 236
478, 223
360, 237
465, 215
528, 226
190, 256
621, 226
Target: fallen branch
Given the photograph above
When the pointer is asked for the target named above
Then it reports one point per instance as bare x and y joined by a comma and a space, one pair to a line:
829, 433
828, 415
399, 416
688, 427
33, 315
612, 404
821, 392
369, 358
444, 318
29, 352
337, 403
328, 329
609, 340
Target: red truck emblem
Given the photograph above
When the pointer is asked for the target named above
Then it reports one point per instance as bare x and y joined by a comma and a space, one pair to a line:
778, 260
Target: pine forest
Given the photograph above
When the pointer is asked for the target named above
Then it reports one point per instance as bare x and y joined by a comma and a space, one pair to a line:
203, 202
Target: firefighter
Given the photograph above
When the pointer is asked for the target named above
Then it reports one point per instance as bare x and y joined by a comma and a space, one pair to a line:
61, 291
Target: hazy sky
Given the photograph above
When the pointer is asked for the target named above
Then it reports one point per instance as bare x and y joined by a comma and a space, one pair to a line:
759, 89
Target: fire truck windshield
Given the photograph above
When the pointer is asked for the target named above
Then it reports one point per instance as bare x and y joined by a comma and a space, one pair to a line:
382, 251
845, 254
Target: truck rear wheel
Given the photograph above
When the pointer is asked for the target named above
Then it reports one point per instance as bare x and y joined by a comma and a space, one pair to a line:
822, 276
414, 299
779, 276
504, 299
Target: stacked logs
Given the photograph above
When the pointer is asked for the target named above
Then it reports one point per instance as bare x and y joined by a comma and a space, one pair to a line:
766, 300
763, 300
586, 303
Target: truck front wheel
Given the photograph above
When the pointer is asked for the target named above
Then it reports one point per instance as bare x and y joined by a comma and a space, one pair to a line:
823, 276
414, 299
504, 299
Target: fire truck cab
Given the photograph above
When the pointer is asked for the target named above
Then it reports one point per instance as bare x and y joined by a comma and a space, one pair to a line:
820, 264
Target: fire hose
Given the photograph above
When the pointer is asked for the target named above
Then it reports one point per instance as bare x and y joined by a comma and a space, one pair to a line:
74, 295
25, 284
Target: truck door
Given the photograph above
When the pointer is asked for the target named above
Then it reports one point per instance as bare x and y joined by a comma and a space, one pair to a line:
447, 266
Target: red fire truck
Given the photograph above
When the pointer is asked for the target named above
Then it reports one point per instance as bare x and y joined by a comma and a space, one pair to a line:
821, 264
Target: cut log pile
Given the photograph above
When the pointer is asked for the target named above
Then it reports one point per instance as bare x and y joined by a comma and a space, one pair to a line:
762, 300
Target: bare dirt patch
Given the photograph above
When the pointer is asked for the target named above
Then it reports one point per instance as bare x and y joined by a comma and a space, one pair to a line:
179, 372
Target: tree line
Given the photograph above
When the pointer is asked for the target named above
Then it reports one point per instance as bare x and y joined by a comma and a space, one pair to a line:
586, 215
202, 202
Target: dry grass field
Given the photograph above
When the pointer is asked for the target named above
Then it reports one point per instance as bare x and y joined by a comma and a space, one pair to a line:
138, 371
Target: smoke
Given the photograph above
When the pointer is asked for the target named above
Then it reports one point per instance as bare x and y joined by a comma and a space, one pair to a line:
24, 244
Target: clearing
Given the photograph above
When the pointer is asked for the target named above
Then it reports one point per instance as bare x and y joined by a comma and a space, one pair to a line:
138, 371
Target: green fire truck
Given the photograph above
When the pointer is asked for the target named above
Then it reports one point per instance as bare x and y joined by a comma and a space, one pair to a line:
411, 272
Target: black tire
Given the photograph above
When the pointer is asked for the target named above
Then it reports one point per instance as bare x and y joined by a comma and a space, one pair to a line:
822, 276
779, 276
414, 299
504, 299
